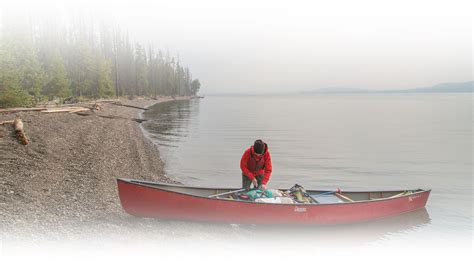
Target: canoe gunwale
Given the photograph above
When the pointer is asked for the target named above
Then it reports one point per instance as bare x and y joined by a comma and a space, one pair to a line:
153, 185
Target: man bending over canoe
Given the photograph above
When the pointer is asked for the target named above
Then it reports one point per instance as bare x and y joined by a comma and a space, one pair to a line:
256, 166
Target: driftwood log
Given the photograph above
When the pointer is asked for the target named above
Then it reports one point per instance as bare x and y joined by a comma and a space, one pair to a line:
12, 110
139, 120
6, 122
19, 131
58, 108
66, 109
131, 106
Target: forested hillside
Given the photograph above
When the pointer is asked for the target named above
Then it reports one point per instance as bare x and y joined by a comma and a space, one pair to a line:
42, 60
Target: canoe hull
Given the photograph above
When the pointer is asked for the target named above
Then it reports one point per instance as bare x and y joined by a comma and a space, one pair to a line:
147, 201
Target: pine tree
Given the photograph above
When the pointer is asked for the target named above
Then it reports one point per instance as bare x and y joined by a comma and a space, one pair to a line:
104, 82
11, 92
12, 72
32, 74
195, 86
141, 71
58, 83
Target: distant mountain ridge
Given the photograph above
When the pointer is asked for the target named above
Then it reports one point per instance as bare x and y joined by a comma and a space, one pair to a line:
446, 87
440, 88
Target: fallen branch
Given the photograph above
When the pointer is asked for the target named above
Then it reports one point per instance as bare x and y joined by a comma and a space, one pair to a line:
80, 110
131, 106
6, 122
12, 110
139, 120
20, 132
69, 110
83, 114
53, 108
108, 101
77, 105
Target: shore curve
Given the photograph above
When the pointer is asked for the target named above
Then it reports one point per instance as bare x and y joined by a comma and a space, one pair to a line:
66, 177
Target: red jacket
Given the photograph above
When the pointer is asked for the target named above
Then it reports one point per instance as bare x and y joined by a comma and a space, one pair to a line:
251, 167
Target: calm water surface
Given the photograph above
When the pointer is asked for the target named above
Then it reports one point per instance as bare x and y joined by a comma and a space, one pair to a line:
362, 142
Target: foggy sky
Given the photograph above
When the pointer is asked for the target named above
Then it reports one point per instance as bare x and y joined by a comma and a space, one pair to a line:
291, 46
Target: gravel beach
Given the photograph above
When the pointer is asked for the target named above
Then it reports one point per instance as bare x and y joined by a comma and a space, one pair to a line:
62, 184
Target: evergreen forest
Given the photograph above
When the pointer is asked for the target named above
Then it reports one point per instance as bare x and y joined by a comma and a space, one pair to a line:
42, 60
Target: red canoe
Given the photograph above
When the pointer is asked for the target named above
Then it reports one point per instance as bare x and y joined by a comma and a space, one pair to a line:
149, 199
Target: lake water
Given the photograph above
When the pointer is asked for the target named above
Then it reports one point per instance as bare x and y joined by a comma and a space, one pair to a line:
347, 141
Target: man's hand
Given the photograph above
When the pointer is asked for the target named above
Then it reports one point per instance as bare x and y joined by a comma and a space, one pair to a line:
255, 182
263, 187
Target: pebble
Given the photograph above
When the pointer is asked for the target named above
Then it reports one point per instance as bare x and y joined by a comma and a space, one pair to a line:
64, 148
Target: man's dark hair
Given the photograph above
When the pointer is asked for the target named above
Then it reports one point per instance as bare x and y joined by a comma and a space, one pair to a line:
259, 146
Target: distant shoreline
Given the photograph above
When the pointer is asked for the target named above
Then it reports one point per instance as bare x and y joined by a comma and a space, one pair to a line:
387, 92
460, 87
329, 93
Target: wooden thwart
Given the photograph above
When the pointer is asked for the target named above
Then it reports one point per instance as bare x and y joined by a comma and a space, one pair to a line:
343, 197
226, 193
399, 194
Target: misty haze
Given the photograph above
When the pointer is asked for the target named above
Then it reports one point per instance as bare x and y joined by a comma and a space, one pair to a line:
236, 132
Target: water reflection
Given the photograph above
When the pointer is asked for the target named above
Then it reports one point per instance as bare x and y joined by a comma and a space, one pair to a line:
129, 229
168, 122
348, 234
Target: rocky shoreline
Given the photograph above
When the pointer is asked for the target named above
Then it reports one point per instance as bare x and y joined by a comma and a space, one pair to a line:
63, 181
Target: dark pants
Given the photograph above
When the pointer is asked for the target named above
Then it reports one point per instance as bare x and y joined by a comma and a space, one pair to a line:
246, 182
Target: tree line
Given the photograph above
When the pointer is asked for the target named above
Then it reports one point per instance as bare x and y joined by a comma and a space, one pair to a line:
42, 61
